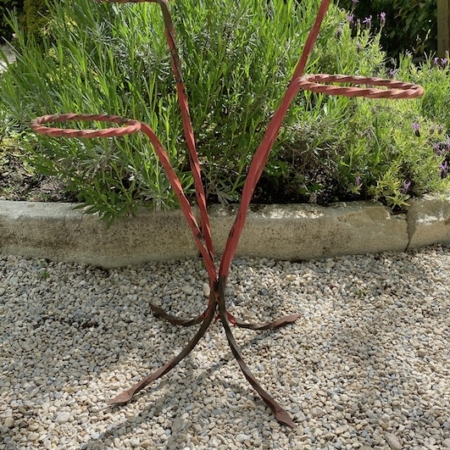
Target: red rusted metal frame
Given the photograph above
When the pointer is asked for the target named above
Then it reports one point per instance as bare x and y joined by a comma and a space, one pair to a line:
396, 89
133, 127
202, 233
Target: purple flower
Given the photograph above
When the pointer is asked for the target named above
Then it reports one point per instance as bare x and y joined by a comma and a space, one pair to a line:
444, 62
437, 149
435, 62
393, 72
368, 21
441, 148
416, 128
406, 186
351, 17
355, 2
444, 169
382, 19
358, 182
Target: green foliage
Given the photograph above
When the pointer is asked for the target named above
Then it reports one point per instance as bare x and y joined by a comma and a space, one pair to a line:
411, 25
94, 60
7, 6
32, 13
434, 74
36, 12
237, 60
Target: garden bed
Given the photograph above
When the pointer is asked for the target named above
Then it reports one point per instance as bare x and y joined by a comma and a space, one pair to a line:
329, 149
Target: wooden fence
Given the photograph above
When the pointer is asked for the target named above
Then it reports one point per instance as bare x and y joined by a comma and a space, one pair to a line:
443, 23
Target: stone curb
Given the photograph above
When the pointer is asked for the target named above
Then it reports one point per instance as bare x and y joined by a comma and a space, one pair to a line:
57, 232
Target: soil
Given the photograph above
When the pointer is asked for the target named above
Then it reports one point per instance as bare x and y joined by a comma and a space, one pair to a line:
18, 182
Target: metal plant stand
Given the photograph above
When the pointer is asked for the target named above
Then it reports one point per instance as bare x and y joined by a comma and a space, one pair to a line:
216, 306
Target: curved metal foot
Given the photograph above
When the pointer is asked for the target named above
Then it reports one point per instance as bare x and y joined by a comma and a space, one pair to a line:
280, 413
159, 312
126, 396
278, 323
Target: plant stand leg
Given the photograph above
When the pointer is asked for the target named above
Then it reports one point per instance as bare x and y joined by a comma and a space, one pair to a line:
126, 396
174, 320
280, 413
216, 304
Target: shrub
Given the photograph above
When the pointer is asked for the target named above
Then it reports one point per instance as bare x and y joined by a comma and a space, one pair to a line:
6, 6
411, 25
237, 60
94, 60
33, 15
36, 18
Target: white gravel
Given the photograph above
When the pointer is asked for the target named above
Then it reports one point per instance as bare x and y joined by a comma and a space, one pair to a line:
9, 56
366, 367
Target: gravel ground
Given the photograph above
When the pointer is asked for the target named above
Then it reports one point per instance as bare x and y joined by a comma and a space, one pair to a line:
9, 55
365, 367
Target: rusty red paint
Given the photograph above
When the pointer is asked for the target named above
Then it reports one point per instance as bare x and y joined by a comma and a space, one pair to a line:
216, 307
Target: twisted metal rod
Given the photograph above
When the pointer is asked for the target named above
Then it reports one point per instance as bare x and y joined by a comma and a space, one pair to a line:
132, 126
396, 89
202, 233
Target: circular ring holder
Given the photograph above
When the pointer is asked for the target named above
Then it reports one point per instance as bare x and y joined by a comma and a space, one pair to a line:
129, 126
395, 89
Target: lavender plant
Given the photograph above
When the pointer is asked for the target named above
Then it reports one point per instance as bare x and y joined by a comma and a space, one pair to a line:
237, 61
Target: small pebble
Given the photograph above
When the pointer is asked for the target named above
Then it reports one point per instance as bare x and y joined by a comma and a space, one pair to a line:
187, 289
9, 422
62, 417
393, 441
242, 437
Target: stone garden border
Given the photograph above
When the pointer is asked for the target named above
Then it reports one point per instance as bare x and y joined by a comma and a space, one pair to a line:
57, 232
